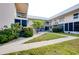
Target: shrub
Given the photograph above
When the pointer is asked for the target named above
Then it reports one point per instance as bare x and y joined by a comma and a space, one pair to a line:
7, 31
1, 32
3, 38
16, 35
57, 30
27, 32
7, 35
15, 30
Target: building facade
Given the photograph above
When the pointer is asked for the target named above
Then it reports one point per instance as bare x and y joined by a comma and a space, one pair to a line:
67, 21
11, 13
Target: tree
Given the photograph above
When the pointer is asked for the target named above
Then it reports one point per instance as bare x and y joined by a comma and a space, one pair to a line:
37, 25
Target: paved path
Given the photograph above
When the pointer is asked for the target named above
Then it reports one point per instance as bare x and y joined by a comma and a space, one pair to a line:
18, 46
22, 40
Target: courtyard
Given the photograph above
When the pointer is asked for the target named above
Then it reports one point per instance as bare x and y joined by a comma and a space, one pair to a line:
55, 44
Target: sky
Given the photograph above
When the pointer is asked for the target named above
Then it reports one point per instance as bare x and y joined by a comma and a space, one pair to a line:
48, 8
45, 8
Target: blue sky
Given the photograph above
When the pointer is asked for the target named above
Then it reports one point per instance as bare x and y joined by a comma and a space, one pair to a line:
48, 8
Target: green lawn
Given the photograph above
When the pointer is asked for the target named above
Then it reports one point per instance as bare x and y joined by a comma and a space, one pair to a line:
47, 36
77, 35
65, 48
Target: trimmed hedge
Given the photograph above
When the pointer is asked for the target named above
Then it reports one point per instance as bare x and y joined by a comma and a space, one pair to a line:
27, 32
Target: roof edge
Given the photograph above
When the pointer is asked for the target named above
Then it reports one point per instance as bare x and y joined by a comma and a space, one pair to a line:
66, 11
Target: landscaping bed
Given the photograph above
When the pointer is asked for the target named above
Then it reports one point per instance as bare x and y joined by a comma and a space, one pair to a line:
65, 48
14, 32
45, 37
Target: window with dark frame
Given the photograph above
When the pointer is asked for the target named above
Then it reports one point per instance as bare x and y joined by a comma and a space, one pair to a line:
66, 26
24, 22
70, 26
61, 27
18, 21
21, 22
76, 26
76, 16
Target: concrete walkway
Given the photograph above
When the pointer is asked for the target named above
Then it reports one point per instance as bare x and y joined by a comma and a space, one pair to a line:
18, 46
22, 40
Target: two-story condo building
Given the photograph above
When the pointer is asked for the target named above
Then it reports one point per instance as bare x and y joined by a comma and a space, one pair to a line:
11, 13
67, 20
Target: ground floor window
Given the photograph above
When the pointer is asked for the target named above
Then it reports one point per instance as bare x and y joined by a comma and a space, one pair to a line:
24, 23
76, 26
21, 22
66, 26
70, 26
61, 27
17, 21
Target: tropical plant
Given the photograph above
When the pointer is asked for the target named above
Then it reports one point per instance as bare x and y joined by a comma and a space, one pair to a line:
37, 25
26, 32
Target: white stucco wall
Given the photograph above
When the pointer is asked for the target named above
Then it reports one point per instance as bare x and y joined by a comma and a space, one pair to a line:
69, 17
66, 18
7, 14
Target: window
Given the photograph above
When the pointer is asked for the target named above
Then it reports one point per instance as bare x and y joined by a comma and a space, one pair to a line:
24, 23
17, 21
70, 26
66, 26
76, 15
76, 26
21, 22
61, 27
47, 22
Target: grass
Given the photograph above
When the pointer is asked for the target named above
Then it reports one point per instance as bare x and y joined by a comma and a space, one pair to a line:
65, 48
77, 35
47, 36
